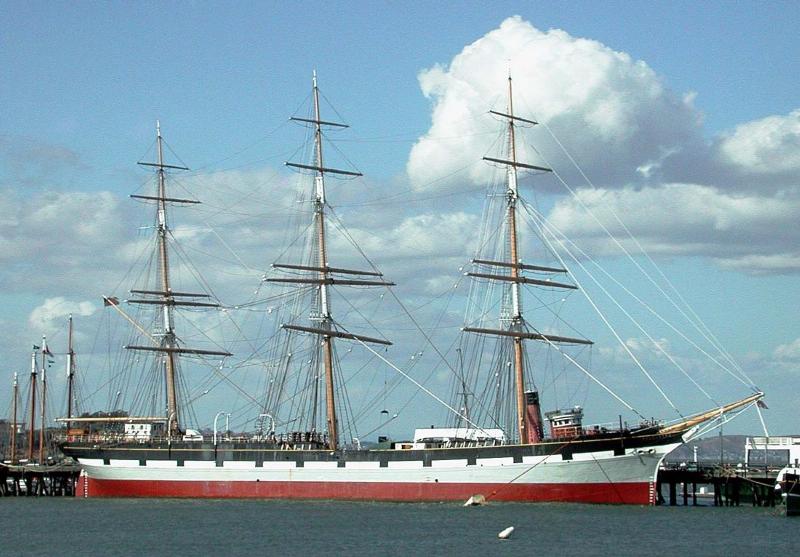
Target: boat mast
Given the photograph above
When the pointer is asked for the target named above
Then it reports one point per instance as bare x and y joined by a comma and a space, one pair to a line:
324, 278
514, 324
70, 373
43, 424
168, 338
14, 422
167, 346
516, 309
325, 313
32, 425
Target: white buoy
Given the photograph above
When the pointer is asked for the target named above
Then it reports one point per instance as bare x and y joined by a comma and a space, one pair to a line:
505, 534
475, 500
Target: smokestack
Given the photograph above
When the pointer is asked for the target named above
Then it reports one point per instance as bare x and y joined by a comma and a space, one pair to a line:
533, 417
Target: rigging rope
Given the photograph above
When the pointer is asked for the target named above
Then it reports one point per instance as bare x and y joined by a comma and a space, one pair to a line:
698, 324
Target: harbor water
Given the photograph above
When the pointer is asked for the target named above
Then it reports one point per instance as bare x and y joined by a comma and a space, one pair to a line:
134, 527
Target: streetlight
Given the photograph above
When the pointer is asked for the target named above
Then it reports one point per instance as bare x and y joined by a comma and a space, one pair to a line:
228, 416
261, 423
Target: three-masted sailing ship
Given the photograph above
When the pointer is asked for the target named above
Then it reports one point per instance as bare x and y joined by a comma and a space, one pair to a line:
561, 460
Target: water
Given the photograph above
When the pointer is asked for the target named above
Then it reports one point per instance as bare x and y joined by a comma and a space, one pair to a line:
133, 527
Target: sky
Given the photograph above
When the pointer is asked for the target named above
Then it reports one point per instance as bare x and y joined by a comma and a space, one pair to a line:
682, 118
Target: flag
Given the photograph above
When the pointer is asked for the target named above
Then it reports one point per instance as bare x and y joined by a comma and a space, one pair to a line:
110, 301
36, 347
762, 404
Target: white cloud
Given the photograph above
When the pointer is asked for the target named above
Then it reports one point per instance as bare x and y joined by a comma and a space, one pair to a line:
743, 231
616, 112
788, 352
767, 146
51, 315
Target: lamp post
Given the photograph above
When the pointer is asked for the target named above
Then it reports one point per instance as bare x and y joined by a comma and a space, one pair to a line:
261, 423
228, 415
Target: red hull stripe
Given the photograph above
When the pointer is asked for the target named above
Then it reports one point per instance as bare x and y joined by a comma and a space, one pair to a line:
626, 493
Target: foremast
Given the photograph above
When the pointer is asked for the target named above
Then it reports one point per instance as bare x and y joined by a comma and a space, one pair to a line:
166, 340
513, 325
325, 326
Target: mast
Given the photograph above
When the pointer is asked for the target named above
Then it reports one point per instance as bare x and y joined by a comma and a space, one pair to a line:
168, 339
167, 345
32, 424
324, 273
325, 314
43, 424
514, 325
70, 373
516, 309
14, 422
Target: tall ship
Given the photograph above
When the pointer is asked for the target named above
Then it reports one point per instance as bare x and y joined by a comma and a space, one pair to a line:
501, 445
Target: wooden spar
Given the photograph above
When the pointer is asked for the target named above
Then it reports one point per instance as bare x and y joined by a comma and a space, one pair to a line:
168, 340
70, 373
164, 199
512, 117
179, 350
43, 424
330, 280
319, 122
698, 419
160, 165
519, 266
523, 280
173, 294
320, 274
516, 164
327, 340
173, 302
527, 335
114, 303
32, 424
319, 169
13, 456
328, 269
334, 333
519, 377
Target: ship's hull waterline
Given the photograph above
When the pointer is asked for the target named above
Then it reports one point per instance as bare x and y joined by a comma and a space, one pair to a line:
600, 476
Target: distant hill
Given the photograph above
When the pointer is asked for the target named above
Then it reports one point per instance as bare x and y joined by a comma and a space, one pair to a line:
708, 451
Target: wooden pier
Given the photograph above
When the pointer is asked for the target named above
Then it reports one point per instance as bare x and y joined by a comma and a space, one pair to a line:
730, 487
56, 480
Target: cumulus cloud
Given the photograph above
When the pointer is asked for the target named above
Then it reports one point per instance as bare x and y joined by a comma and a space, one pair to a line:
616, 111
51, 314
733, 198
741, 231
768, 146
52, 233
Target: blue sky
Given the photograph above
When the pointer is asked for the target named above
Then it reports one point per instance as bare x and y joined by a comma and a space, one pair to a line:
82, 84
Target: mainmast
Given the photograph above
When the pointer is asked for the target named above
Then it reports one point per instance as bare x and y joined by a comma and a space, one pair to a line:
164, 296
324, 278
514, 325
168, 337
70, 374
32, 424
322, 261
516, 308
14, 422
